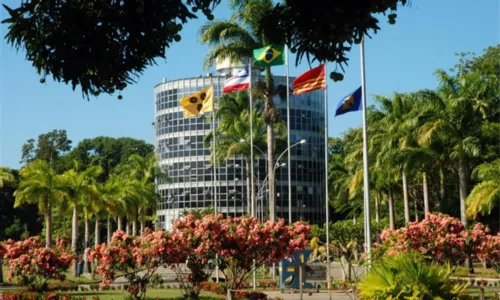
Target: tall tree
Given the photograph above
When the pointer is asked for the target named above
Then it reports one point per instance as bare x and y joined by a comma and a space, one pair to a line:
462, 103
81, 188
236, 39
40, 184
486, 194
142, 171
129, 36
233, 118
50, 147
108, 152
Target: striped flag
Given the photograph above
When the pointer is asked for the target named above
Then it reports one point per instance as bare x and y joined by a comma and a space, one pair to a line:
239, 82
311, 80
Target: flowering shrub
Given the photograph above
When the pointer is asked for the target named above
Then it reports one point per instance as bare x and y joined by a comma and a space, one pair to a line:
23, 295
32, 264
487, 246
130, 254
248, 244
442, 239
214, 287
197, 240
251, 295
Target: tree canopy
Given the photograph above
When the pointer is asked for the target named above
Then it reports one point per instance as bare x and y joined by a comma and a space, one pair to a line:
102, 46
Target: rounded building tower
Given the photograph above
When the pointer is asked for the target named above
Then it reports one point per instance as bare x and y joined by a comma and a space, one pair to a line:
179, 145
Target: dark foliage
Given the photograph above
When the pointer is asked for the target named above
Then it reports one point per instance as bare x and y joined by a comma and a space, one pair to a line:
100, 45
325, 30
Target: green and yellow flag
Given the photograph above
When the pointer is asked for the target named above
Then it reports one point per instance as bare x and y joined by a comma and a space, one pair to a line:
200, 102
272, 55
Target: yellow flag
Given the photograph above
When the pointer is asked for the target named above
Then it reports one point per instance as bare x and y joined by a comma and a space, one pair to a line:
197, 103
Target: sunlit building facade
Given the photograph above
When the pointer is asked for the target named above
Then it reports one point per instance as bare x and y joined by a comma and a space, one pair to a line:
179, 145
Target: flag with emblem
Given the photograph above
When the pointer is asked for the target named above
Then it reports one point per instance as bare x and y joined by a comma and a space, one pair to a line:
197, 103
351, 102
272, 55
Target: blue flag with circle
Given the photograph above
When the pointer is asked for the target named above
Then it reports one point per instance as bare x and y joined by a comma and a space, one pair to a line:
351, 102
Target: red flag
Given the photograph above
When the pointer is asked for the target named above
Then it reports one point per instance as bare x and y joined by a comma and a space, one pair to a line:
311, 80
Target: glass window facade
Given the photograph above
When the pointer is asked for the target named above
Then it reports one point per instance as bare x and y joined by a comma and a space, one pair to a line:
179, 144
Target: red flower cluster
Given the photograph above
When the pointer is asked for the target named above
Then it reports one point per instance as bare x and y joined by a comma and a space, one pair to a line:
251, 295
32, 264
129, 254
442, 239
199, 244
23, 295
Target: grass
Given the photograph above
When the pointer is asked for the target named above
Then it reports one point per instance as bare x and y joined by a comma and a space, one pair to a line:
479, 272
489, 293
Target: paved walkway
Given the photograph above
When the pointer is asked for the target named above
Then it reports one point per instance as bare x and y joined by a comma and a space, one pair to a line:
313, 296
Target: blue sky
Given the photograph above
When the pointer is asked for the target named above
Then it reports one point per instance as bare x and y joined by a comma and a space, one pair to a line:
400, 58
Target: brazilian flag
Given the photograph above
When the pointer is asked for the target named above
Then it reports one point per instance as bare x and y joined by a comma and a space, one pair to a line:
272, 55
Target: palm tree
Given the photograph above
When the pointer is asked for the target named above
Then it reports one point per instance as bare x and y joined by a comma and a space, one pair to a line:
485, 195
462, 103
233, 127
141, 173
236, 39
7, 178
392, 135
112, 192
41, 185
81, 188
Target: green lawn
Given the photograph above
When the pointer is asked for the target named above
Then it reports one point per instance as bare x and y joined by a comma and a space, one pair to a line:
479, 271
151, 294
489, 293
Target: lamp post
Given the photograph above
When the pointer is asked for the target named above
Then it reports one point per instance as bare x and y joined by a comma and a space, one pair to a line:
301, 142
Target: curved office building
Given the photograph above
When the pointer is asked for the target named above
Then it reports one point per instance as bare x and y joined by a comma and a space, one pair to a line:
179, 144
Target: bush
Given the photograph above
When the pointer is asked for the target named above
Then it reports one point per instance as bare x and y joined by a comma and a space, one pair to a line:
408, 276
26, 295
441, 239
156, 280
32, 264
250, 295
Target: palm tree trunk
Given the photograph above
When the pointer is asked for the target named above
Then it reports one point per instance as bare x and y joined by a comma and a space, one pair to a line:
48, 227
143, 223
462, 170
134, 227
442, 192
120, 224
391, 210
97, 233
86, 264
74, 236
405, 198
249, 185
463, 182
377, 208
270, 170
74, 229
426, 193
109, 230
127, 227
416, 209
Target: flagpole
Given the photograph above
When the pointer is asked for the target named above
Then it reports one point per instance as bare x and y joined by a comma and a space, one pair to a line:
327, 206
215, 174
252, 200
365, 157
288, 137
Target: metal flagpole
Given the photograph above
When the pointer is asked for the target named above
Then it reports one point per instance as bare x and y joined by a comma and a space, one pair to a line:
365, 157
327, 206
215, 174
252, 200
288, 134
